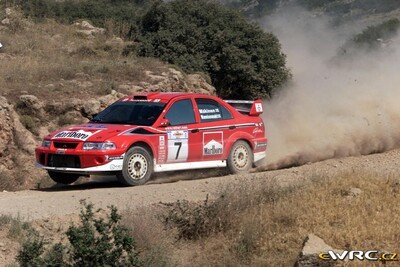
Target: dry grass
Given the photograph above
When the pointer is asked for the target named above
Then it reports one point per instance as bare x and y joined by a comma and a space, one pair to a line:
52, 61
265, 225
153, 243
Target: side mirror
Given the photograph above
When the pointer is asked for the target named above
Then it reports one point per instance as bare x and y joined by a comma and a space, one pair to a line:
165, 123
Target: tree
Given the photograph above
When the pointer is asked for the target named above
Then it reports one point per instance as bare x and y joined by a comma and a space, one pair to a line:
242, 60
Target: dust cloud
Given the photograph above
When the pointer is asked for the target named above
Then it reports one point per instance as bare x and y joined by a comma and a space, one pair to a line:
330, 109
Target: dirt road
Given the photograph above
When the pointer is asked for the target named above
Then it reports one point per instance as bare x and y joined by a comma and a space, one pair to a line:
38, 204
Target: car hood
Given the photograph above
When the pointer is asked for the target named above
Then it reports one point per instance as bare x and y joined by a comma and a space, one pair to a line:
92, 132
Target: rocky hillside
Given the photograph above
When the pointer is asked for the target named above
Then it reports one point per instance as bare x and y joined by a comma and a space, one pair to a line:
54, 75
341, 11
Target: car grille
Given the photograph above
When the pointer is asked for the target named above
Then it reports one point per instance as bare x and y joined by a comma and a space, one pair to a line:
65, 161
65, 145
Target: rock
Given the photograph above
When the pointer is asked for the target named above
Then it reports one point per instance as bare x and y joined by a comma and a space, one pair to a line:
309, 256
91, 107
354, 192
87, 25
115, 41
50, 86
32, 102
88, 29
5, 21
197, 83
12, 132
71, 117
8, 11
174, 80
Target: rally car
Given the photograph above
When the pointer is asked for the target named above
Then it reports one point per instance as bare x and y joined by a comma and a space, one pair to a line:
157, 132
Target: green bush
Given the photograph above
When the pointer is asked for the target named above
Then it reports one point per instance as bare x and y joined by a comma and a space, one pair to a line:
120, 15
372, 35
29, 255
242, 60
29, 123
373, 38
97, 241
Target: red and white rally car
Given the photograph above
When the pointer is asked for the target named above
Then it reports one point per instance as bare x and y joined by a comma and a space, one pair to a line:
157, 132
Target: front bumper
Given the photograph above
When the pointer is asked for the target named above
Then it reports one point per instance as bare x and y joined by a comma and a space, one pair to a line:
78, 160
112, 166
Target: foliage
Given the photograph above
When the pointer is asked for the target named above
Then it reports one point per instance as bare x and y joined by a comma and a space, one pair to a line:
29, 255
253, 9
195, 221
373, 35
119, 15
242, 60
29, 123
370, 39
96, 242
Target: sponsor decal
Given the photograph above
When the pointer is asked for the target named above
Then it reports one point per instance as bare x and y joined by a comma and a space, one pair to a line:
161, 149
115, 157
259, 107
60, 151
261, 144
178, 134
257, 130
95, 126
80, 135
213, 143
115, 167
210, 113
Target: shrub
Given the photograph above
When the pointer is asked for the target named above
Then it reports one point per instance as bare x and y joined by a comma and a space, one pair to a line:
29, 255
96, 242
242, 60
29, 123
194, 221
372, 35
118, 16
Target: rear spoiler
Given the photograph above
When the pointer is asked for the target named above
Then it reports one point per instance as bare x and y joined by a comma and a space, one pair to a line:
250, 108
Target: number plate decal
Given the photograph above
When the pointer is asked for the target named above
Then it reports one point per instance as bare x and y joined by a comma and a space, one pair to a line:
178, 147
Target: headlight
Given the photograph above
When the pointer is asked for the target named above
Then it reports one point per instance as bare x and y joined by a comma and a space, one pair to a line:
98, 146
46, 143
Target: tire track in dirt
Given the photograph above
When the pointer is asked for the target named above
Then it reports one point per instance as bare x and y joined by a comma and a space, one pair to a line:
58, 202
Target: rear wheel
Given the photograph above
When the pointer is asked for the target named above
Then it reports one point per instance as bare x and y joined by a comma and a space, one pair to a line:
137, 167
63, 178
240, 158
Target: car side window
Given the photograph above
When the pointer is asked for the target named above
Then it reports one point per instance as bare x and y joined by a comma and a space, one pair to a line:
181, 112
211, 110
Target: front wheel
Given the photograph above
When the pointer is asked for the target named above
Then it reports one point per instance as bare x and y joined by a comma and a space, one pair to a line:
137, 167
63, 178
240, 158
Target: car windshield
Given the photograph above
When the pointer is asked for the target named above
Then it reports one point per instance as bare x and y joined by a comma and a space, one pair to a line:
132, 112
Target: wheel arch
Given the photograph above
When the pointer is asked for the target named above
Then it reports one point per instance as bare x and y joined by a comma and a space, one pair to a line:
144, 145
239, 137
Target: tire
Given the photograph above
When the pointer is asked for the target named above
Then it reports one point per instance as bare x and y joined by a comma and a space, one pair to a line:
137, 167
240, 158
63, 178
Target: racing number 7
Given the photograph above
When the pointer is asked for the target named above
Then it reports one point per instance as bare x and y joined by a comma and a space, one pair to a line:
179, 145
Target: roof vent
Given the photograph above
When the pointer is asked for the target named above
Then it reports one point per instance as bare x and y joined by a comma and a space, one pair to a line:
140, 97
